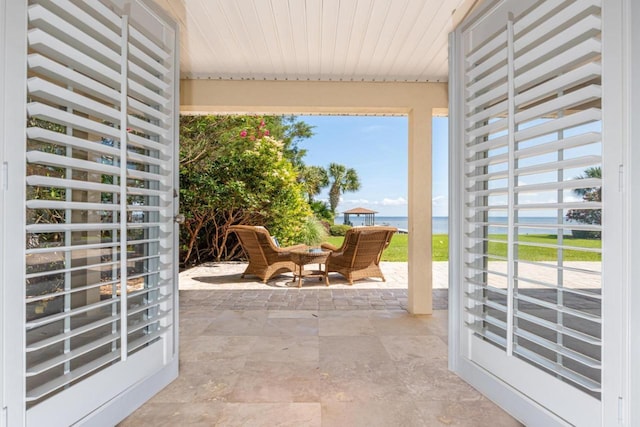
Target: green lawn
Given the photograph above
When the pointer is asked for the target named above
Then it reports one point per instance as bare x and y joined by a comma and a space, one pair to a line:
398, 249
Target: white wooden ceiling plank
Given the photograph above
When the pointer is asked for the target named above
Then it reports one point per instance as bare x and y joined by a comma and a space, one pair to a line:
359, 29
439, 47
415, 9
195, 45
376, 23
313, 21
330, 14
439, 27
298, 24
417, 23
230, 28
205, 44
270, 36
281, 17
344, 35
251, 36
388, 33
441, 71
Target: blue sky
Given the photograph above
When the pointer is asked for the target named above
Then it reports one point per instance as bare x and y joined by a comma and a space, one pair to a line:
376, 147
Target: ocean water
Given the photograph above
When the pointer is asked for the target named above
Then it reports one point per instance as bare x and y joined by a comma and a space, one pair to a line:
401, 222
440, 224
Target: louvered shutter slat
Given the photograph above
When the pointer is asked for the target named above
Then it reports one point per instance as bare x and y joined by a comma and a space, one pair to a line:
54, 93
46, 67
62, 52
68, 33
48, 113
45, 135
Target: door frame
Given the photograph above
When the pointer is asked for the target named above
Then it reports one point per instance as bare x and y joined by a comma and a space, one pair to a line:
12, 144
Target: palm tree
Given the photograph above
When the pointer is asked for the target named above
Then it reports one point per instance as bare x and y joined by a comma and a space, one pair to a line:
343, 180
315, 178
593, 193
588, 194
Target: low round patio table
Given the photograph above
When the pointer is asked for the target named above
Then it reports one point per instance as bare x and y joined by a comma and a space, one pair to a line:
302, 257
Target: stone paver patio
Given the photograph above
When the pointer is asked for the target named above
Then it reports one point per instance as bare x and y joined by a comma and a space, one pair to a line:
280, 293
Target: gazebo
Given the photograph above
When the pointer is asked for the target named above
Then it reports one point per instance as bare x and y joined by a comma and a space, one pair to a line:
369, 215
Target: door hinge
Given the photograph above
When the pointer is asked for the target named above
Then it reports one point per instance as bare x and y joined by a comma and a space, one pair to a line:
4, 177
620, 411
5, 416
620, 177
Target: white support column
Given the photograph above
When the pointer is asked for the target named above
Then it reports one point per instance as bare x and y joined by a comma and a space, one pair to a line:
420, 264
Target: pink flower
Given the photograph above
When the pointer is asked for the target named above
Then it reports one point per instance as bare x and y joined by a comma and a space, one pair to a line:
262, 124
266, 131
243, 133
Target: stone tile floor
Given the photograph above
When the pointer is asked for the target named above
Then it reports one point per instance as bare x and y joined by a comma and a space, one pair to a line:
272, 355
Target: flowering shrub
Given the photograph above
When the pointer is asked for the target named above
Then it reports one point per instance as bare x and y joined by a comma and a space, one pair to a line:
234, 171
255, 133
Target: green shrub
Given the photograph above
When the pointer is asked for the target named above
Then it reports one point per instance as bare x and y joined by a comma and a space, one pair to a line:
312, 232
236, 170
321, 210
585, 234
339, 229
326, 225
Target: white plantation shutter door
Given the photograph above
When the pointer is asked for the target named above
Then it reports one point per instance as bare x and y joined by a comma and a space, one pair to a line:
532, 119
100, 258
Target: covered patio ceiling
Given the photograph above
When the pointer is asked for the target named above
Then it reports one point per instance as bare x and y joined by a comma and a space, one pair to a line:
316, 40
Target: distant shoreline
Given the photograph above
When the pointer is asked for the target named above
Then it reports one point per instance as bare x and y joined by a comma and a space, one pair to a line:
540, 225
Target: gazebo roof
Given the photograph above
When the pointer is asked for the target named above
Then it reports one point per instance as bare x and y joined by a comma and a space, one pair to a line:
358, 211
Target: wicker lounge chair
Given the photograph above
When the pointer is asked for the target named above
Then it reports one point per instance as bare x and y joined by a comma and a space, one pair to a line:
265, 258
359, 255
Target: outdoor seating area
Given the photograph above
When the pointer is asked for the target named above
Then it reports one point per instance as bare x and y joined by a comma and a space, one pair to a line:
357, 258
359, 255
265, 258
